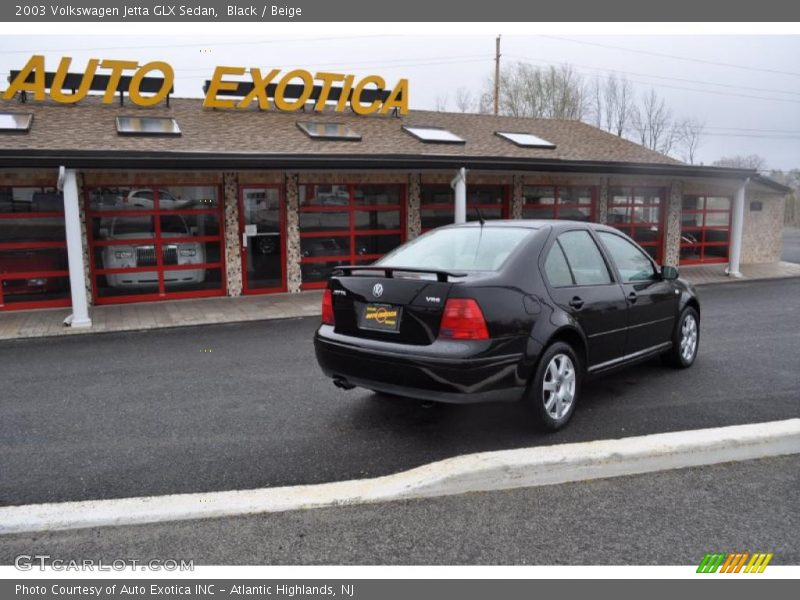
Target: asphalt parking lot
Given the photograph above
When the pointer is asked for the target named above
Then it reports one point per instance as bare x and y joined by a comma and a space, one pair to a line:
244, 406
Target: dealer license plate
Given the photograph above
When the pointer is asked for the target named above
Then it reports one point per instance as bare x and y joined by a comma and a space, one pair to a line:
380, 317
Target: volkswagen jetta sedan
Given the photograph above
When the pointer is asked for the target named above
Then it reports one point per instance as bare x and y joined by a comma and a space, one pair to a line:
504, 310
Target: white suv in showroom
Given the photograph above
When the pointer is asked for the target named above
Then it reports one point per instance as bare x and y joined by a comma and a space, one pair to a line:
175, 251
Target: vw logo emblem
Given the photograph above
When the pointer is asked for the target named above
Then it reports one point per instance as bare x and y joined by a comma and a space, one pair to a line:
377, 290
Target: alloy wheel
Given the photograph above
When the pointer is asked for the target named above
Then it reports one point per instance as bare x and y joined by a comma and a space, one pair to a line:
688, 338
559, 386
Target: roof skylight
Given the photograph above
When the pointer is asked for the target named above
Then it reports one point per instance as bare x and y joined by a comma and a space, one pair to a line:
329, 131
435, 135
526, 140
19, 122
147, 126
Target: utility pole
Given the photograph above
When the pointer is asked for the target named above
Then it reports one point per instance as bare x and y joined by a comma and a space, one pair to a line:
497, 77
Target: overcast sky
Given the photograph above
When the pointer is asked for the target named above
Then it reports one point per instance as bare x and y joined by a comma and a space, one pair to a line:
750, 104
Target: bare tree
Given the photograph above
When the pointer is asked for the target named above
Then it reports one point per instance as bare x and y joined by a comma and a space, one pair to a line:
486, 103
752, 161
622, 107
689, 134
597, 100
611, 101
465, 102
652, 123
440, 103
550, 93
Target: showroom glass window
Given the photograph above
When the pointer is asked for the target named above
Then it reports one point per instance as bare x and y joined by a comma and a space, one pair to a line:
638, 211
342, 224
155, 242
437, 203
33, 249
705, 229
576, 203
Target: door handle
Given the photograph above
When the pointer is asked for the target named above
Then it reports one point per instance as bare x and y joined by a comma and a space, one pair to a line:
244, 240
632, 297
576, 303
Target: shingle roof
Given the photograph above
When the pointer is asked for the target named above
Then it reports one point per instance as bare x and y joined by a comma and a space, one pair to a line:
89, 126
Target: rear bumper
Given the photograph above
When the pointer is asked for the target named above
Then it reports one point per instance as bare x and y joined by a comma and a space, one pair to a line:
452, 372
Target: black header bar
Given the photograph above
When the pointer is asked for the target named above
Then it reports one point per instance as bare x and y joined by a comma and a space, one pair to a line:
496, 11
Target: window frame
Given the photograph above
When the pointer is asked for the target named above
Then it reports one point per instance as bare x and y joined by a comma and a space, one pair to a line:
557, 205
610, 267
505, 205
158, 240
352, 233
37, 245
703, 229
629, 227
637, 246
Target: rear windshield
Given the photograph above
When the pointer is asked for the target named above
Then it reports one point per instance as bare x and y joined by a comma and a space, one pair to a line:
467, 248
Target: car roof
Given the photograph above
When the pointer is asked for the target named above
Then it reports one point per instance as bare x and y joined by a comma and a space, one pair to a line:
536, 224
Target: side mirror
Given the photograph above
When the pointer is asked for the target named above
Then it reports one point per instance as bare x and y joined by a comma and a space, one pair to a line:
669, 273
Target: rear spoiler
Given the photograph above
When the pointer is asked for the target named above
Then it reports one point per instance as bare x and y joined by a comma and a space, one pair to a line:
389, 272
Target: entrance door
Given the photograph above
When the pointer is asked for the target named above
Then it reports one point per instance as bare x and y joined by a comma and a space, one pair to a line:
261, 217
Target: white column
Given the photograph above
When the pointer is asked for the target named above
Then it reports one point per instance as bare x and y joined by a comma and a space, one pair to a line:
72, 221
459, 184
737, 226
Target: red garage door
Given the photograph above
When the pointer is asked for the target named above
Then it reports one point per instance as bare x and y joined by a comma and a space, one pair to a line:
347, 224
639, 212
33, 249
705, 229
155, 242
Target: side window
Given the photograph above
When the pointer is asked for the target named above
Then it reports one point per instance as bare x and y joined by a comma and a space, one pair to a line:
556, 268
584, 258
633, 264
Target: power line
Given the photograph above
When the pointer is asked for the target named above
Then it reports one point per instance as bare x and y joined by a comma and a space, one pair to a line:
726, 85
196, 45
688, 89
672, 56
371, 63
407, 65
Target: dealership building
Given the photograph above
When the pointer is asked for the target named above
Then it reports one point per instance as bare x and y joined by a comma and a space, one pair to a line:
105, 203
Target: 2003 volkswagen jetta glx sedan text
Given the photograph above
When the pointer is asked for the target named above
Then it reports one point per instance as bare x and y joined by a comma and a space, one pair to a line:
504, 310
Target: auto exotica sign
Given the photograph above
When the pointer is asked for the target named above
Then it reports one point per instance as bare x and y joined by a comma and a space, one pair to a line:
267, 87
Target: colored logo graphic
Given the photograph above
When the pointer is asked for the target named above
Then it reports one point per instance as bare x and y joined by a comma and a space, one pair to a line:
734, 562
381, 315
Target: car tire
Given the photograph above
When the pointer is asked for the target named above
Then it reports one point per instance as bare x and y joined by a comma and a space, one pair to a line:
555, 387
685, 340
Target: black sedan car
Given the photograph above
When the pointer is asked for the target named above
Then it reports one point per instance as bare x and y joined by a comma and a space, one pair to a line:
504, 310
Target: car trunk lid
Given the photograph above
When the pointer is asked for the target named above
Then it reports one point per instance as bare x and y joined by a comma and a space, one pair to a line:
391, 304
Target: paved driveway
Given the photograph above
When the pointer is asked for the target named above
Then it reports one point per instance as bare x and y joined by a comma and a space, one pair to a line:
244, 405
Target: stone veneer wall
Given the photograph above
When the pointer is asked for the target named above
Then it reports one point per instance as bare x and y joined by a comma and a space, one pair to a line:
233, 241
413, 215
602, 201
672, 224
293, 273
87, 274
517, 196
762, 238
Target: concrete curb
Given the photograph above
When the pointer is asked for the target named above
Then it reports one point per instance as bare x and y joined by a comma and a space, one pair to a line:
485, 471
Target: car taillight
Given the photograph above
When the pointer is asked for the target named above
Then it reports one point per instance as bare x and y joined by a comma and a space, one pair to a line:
463, 320
327, 308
